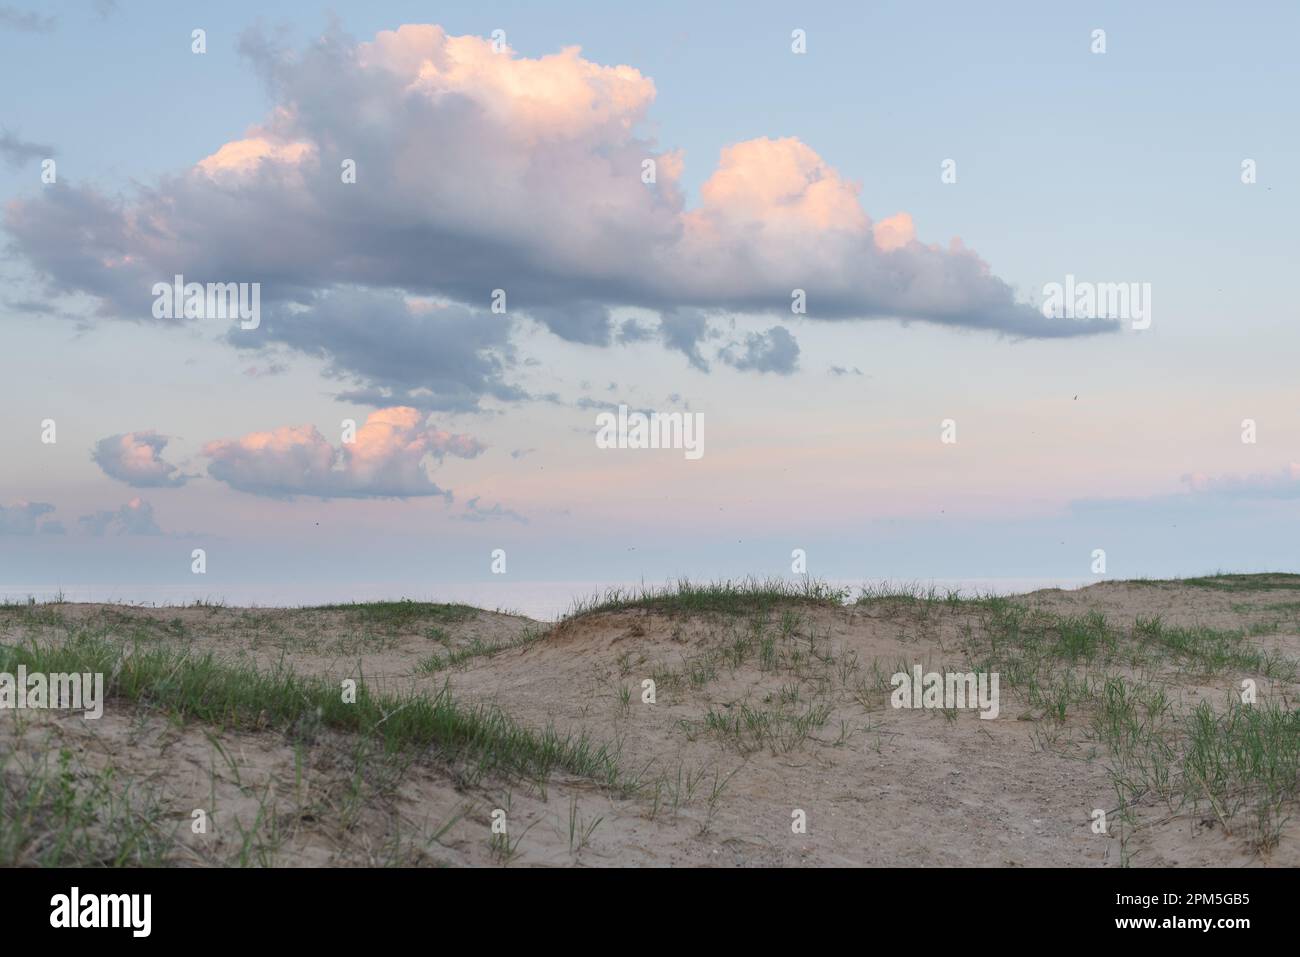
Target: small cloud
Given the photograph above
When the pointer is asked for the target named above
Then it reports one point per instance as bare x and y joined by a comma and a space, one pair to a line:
18, 152
25, 21
520, 453
1284, 483
270, 369
20, 518
772, 351
603, 405
133, 518
683, 330
474, 513
386, 460
136, 459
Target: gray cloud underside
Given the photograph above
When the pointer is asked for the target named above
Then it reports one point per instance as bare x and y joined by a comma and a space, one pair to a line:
451, 202
443, 359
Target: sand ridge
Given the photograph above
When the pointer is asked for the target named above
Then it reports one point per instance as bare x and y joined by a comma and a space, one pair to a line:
759, 718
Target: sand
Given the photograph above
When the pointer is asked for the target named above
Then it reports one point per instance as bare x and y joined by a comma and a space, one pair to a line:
874, 785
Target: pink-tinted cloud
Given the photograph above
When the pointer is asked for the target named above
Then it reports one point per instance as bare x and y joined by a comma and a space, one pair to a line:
894, 232
136, 459
133, 518
386, 459
245, 156
21, 518
477, 170
780, 185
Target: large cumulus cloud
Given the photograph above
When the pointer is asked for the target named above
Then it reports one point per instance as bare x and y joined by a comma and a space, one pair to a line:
478, 170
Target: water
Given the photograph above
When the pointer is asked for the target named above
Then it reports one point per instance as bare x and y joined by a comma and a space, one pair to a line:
541, 600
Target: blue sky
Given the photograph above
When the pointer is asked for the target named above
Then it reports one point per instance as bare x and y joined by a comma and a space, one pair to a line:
1115, 167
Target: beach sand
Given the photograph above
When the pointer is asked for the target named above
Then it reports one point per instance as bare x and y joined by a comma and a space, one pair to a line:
767, 714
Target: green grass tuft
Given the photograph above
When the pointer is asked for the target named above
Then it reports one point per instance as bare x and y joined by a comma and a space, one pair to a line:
743, 596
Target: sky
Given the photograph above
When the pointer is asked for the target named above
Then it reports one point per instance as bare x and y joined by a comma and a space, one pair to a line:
856, 214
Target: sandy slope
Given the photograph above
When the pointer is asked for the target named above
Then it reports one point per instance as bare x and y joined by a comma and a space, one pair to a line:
879, 786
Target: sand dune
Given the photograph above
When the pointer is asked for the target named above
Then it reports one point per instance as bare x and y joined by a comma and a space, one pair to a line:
771, 708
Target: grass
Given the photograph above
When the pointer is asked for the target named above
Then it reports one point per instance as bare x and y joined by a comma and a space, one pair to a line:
396, 616
1119, 685
580, 831
916, 593
45, 614
202, 688
1261, 581
1244, 760
1241, 761
780, 729
476, 648
1028, 644
57, 813
745, 596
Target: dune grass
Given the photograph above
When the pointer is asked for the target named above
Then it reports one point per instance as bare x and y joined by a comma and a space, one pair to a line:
200, 687
476, 648
1242, 761
684, 597
1250, 581
54, 812
402, 615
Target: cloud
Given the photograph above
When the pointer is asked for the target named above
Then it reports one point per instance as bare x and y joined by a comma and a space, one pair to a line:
772, 351
607, 405
397, 351
587, 323
477, 171
133, 518
136, 459
20, 518
684, 331
270, 369
632, 331
25, 21
474, 513
18, 152
1284, 484
386, 459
